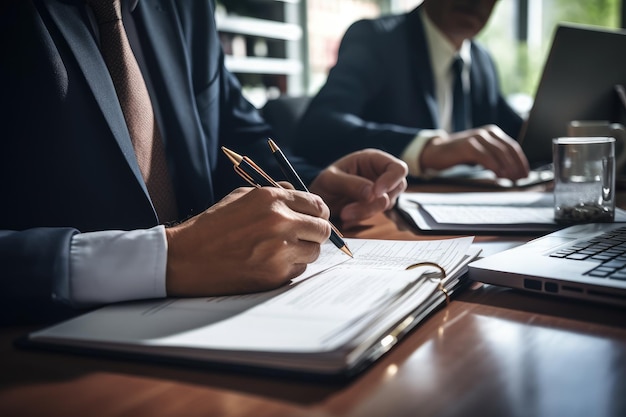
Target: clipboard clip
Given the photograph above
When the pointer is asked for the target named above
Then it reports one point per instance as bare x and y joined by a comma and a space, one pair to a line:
442, 276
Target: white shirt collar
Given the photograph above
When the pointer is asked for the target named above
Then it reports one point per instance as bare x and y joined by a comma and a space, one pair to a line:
441, 50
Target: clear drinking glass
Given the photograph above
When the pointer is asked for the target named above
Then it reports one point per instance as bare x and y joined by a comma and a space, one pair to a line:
584, 179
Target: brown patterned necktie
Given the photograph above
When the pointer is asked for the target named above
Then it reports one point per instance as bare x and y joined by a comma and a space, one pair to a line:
136, 105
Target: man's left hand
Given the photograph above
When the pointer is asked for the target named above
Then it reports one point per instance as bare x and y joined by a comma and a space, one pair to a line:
361, 184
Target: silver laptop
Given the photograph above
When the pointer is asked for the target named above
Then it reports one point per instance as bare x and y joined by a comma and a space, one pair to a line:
579, 79
586, 262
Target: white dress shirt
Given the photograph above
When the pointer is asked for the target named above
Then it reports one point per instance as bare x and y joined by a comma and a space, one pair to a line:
115, 265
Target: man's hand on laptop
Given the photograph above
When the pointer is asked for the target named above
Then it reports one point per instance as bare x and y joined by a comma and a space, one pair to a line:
488, 146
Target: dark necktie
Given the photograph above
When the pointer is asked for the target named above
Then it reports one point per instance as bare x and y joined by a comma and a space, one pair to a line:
460, 99
136, 105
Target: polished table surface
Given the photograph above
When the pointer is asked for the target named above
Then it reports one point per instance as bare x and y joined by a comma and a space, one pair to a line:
490, 352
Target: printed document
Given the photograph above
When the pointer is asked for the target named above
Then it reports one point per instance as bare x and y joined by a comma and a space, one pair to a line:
326, 321
468, 212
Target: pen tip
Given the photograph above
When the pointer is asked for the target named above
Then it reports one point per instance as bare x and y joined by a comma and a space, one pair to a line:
234, 157
272, 144
347, 251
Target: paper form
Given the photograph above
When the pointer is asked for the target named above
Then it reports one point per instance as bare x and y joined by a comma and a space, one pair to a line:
305, 316
483, 211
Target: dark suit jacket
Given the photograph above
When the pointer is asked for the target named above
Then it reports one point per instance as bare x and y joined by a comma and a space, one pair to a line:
66, 161
380, 93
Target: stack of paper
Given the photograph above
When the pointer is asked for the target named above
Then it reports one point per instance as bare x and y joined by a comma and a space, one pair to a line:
340, 315
474, 212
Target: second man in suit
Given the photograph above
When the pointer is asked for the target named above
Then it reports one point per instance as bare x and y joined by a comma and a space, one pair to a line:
393, 88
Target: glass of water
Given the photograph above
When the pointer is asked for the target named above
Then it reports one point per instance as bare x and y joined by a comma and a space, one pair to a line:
584, 179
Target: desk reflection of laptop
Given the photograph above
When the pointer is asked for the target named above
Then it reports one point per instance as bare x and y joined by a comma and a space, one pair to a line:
579, 80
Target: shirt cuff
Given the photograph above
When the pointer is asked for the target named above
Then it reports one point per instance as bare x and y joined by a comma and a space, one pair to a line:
411, 154
113, 266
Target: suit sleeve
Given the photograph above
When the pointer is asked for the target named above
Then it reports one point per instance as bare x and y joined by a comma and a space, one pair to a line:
334, 123
509, 120
32, 260
493, 106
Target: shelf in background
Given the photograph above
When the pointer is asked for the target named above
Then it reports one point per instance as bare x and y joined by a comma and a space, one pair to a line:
259, 27
263, 65
263, 46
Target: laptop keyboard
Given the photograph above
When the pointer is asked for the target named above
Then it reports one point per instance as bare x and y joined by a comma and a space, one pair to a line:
608, 248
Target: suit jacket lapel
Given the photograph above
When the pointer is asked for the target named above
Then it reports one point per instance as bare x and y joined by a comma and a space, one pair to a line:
72, 26
184, 130
479, 104
164, 44
418, 49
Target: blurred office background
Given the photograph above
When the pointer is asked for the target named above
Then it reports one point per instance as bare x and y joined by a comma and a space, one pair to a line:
286, 47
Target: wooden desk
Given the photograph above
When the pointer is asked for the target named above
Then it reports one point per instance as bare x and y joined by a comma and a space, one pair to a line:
491, 352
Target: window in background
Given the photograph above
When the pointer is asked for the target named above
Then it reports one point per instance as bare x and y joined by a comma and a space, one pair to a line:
520, 32
327, 21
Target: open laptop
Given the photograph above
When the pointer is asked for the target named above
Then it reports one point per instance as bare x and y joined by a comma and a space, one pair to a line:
584, 261
579, 79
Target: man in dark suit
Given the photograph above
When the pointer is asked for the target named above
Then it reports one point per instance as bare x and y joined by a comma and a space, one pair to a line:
77, 222
392, 88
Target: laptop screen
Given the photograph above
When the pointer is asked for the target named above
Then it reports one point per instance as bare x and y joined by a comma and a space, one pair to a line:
579, 81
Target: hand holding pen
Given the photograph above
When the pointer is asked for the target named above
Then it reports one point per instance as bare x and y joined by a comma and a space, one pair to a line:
255, 176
